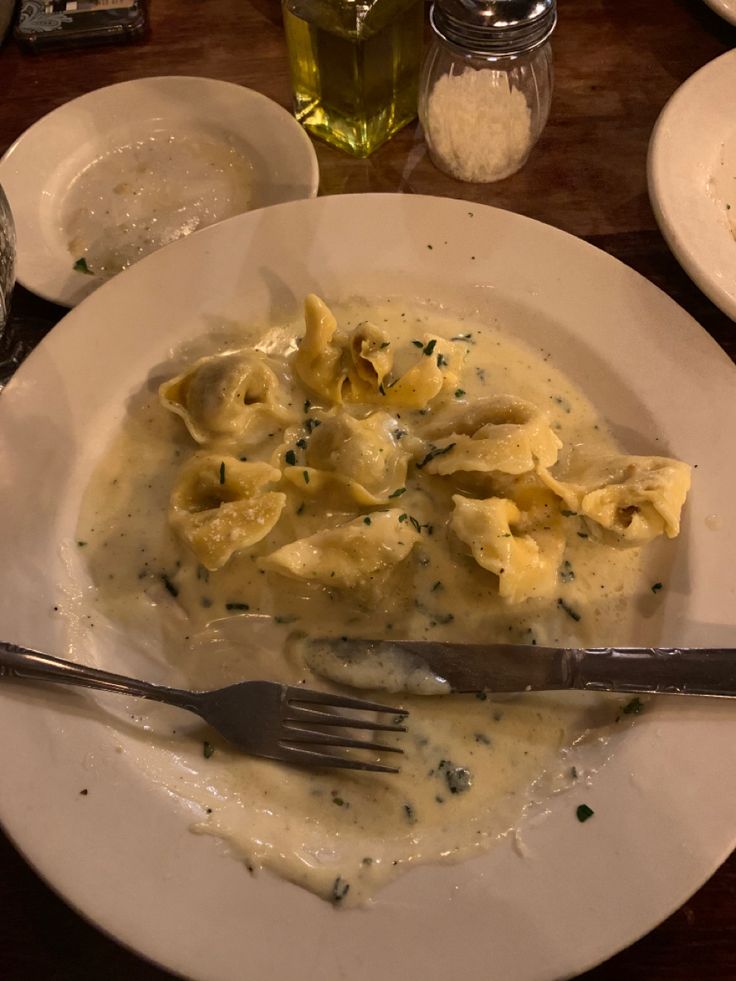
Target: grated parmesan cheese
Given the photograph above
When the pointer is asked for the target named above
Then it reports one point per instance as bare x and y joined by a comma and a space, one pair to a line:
478, 126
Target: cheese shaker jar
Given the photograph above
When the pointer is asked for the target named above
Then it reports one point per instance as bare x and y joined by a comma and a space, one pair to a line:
486, 85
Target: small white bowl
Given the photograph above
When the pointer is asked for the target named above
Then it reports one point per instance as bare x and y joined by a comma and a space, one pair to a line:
250, 141
692, 179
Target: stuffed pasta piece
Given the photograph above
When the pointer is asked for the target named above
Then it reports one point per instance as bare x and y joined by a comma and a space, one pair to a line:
526, 563
500, 433
351, 460
236, 395
220, 506
629, 500
349, 555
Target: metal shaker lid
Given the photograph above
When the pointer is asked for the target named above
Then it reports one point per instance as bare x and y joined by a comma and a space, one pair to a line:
494, 27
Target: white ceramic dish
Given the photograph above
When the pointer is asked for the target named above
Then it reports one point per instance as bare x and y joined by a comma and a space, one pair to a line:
692, 179
123, 855
724, 8
39, 169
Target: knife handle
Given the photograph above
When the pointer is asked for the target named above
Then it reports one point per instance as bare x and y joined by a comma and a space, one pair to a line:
655, 670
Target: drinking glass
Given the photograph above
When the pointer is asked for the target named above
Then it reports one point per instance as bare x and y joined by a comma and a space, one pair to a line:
7, 259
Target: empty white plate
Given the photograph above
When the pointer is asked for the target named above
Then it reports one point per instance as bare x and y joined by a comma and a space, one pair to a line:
122, 171
692, 179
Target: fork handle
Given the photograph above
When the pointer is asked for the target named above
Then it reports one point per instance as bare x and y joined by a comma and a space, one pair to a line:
20, 662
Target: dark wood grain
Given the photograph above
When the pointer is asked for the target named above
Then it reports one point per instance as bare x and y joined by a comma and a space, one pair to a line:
617, 63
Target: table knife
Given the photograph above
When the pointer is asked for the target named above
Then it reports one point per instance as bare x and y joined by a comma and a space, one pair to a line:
519, 668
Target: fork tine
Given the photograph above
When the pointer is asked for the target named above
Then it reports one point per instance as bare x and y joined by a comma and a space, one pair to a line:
300, 714
307, 736
327, 699
310, 758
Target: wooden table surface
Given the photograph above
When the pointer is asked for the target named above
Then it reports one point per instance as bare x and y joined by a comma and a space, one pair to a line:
617, 63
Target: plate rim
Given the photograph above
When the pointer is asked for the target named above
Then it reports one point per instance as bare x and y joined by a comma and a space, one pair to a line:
725, 10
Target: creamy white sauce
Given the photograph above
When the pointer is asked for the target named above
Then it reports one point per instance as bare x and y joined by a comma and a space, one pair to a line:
471, 765
141, 196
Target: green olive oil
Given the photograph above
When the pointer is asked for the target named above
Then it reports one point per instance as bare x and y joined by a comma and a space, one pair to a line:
354, 68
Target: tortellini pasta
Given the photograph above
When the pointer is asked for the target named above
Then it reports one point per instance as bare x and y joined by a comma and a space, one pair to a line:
358, 459
499, 433
349, 555
526, 564
633, 499
219, 506
228, 395
319, 360
356, 367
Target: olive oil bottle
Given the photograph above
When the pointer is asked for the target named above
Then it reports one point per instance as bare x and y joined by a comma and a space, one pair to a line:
354, 68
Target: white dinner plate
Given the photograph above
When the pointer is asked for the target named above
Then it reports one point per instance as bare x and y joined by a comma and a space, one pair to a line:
123, 854
41, 167
724, 8
692, 178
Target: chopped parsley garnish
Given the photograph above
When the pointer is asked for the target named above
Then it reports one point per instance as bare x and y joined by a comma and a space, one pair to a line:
567, 513
573, 614
656, 587
312, 424
634, 707
307, 406
237, 606
584, 812
340, 889
442, 361
81, 266
435, 451
567, 573
81, 544
207, 749
222, 472
458, 778
399, 434
339, 801
398, 492
459, 392
382, 347
290, 457
418, 343
410, 813
431, 345
381, 389
301, 443
170, 587
583, 534
417, 526
366, 520
403, 517
305, 474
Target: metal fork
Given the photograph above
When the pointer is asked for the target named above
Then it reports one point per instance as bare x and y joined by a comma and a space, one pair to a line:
263, 718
